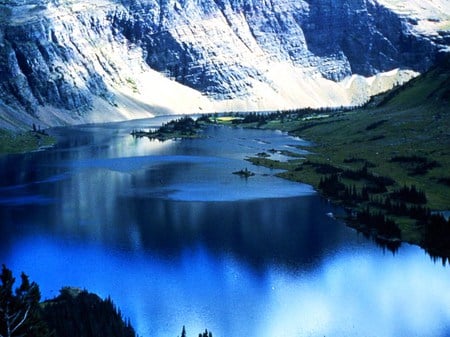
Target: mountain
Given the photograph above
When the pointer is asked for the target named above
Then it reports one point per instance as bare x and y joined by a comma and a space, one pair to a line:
68, 61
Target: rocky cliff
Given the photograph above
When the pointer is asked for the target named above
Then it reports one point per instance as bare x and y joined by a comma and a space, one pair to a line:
67, 61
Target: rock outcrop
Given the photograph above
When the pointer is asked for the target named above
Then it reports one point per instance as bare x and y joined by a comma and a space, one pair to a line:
67, 61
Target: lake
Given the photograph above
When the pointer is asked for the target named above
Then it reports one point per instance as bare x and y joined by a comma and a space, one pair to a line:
176, 239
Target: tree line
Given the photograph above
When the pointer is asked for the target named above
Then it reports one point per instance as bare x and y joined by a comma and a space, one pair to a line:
383, 207
74, 313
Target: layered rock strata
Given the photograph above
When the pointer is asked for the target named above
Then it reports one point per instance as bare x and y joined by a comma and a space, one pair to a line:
67, 61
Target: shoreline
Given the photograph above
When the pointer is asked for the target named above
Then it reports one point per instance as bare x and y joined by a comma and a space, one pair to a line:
375, 188
410, 231
24, 142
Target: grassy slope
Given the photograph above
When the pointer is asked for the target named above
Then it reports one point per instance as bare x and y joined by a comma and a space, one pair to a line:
23, 142
411, 120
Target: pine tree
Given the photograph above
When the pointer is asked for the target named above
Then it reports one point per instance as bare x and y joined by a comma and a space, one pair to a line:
20, 313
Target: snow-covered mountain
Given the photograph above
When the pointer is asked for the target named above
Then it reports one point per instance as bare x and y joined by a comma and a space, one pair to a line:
69, 61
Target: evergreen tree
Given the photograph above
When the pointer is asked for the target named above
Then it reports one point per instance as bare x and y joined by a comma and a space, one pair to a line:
77, 313
20, 313
205, 334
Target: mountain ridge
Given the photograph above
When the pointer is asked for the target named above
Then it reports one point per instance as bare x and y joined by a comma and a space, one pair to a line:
67, 62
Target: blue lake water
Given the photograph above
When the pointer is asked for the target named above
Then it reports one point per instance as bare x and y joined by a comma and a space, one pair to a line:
176, 239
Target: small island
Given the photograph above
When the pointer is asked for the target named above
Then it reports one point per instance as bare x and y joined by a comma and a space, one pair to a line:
181, 128
245, 173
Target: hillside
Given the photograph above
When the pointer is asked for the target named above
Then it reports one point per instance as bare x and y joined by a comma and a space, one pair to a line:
390, 158
412, 120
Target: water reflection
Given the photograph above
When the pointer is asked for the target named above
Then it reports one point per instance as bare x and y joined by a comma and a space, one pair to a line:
290, 231
182, 241
347, 294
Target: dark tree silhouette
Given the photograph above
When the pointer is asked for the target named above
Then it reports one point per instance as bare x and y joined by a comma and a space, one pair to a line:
20, 313
77, 313
205, 334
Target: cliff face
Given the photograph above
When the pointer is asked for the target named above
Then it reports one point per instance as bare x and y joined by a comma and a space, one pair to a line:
67, 61
198, 44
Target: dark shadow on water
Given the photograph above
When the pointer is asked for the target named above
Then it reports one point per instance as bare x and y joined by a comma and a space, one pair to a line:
293, 232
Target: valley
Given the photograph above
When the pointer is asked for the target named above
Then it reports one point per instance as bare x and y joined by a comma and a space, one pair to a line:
256, 168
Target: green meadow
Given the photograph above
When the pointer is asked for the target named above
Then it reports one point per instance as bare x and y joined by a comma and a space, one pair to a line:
13, 142
402, 137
